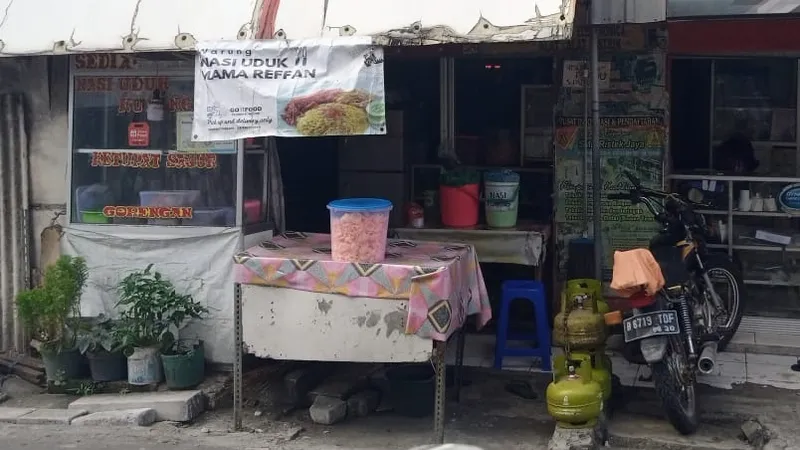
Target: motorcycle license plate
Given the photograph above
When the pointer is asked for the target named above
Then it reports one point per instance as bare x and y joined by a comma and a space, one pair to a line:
642, 326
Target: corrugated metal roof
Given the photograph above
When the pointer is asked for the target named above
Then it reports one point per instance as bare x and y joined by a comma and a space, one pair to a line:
76, 26
726, 8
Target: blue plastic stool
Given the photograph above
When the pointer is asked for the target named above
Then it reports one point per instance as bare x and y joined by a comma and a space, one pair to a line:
533, 291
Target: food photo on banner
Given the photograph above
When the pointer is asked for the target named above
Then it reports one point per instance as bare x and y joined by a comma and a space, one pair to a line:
315, 87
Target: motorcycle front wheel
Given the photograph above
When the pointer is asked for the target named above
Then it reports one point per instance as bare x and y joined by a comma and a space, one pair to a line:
676, 388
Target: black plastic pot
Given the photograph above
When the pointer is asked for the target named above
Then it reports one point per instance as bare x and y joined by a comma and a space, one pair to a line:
62, 365
411, 389
105, 366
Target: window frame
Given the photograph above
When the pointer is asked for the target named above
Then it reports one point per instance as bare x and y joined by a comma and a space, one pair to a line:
148, 71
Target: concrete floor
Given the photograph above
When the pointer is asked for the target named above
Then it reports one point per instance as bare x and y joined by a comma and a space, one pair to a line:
488, 417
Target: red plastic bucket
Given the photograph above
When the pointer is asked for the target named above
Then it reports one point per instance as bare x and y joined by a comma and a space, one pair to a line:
459, 205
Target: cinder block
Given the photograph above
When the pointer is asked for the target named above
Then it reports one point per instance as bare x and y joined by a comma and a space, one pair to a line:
328, 410
363, 403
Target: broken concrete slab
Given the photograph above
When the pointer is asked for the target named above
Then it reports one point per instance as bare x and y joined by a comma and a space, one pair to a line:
573, 439
47, 416
178, 406
755, 433
636, 431
141, 417
328, 410
218, 390
364, 403
10, 415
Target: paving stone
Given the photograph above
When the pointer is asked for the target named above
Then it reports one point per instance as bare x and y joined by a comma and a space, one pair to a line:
178, 406
364, 403
141, 417
10, 415
328, 410
47, 416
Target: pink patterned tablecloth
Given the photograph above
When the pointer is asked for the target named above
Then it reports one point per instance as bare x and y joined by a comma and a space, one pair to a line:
442, 282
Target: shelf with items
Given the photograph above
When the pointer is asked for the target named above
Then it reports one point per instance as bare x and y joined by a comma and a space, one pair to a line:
535, 189
767, 242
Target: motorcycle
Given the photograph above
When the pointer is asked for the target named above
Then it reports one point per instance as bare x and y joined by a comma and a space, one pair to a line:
679, 331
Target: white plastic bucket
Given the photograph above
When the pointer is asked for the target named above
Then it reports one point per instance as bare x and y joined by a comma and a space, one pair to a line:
144, 366
502, 203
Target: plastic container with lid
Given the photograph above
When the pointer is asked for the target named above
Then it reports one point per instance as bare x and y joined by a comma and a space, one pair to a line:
358, 229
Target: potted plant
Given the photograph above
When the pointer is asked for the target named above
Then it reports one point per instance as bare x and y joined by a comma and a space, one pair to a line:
184, 364
459, 197
103, 348
152, 310
51, 312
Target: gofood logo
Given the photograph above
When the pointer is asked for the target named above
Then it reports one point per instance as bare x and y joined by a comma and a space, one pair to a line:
789, 199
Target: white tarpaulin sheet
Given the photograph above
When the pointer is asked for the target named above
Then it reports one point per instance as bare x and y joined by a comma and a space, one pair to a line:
37, 27
314, 87
198, 263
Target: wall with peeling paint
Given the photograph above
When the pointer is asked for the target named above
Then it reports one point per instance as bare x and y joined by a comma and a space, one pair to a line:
43, 80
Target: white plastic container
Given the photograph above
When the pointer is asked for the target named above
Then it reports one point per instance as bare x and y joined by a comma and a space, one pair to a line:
358, 229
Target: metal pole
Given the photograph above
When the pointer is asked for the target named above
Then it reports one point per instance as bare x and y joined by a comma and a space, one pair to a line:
596, 182
586, 149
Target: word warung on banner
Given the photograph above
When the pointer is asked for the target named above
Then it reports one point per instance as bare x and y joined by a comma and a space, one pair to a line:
314, 87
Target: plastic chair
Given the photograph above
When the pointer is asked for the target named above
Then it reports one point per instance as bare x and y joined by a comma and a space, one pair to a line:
532, 291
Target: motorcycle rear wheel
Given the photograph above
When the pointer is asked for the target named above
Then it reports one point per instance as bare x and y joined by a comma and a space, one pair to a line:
720, 267
678, 396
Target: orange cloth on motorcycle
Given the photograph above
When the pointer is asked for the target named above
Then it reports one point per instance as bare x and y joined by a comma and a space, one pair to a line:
636, 270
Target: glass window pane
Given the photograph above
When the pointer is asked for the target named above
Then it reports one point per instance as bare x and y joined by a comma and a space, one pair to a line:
133, 158
756, 97
255, 210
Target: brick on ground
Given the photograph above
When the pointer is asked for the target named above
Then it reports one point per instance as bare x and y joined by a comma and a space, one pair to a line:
328, 410
363, 403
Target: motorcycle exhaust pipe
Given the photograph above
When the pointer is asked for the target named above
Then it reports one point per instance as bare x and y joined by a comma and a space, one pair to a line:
708, 358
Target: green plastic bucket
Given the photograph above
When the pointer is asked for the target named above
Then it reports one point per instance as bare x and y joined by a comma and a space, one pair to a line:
185, 370
93, 217
501, 190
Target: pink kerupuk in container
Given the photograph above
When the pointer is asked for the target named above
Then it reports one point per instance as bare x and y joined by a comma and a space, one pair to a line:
358, 229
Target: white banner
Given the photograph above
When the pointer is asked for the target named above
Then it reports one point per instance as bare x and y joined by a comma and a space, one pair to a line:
313, 87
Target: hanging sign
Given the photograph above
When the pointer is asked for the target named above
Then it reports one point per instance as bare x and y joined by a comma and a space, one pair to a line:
187, 145
574, 71
314, 87
138, 134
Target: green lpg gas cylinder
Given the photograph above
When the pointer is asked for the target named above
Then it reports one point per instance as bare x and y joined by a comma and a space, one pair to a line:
574, 400
579, 325
589, 286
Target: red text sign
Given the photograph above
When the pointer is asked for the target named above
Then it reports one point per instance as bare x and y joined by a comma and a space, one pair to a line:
138, 134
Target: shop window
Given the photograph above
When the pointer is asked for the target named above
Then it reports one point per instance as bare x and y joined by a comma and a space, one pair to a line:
256, 194
133, 160
756, 97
